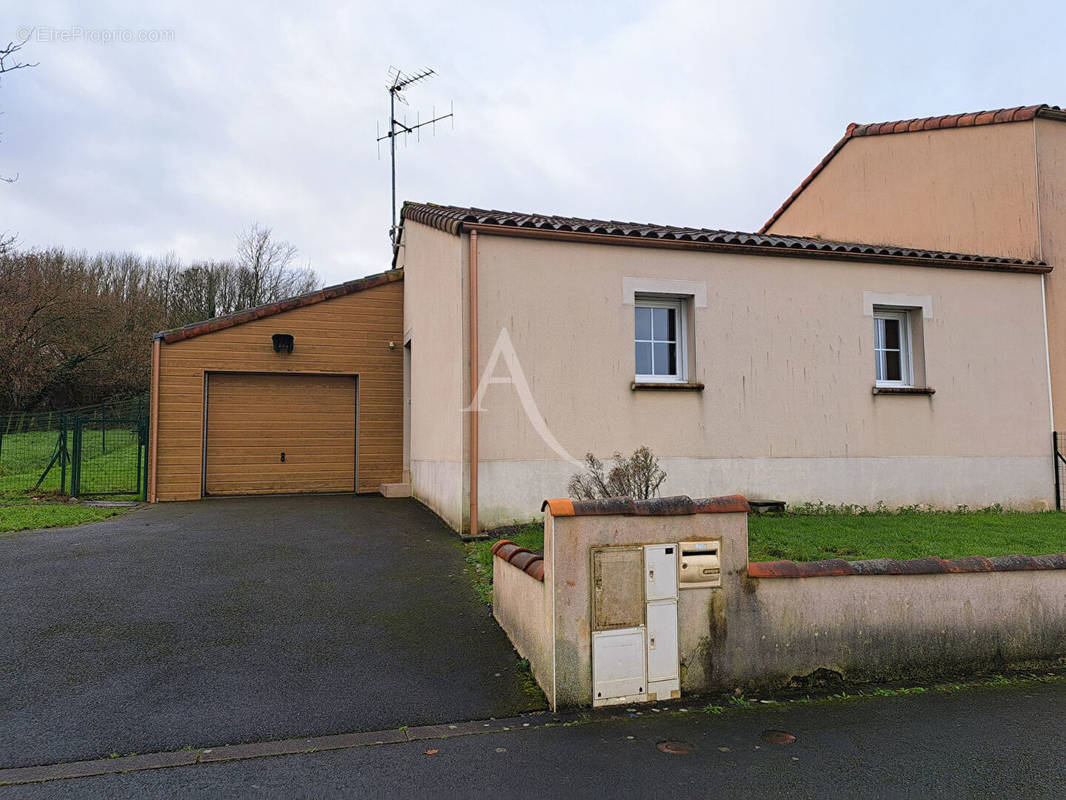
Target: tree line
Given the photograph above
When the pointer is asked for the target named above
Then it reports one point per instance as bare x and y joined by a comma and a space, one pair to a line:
76, 329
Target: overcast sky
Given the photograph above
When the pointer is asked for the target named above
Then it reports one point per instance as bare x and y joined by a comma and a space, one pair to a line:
691, 113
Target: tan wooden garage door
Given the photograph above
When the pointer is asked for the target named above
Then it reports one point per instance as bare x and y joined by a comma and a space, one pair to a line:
253, 419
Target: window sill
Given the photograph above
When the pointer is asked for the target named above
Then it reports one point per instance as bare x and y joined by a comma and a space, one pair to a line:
665, 386
926, 390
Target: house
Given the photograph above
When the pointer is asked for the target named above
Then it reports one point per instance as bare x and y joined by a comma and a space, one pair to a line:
779, 367
991, 182
791, 364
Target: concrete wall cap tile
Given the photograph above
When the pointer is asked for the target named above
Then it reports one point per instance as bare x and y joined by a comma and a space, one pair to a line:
523, 560
655, 507
912, 566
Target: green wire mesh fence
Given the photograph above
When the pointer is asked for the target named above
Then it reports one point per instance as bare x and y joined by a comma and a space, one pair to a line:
92, 451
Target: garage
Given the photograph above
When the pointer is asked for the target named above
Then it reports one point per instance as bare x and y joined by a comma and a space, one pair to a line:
300, 396
271, 434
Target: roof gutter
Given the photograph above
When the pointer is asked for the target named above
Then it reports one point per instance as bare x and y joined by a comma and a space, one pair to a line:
748, 249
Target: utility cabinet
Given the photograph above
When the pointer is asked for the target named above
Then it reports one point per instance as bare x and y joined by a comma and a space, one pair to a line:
634, 624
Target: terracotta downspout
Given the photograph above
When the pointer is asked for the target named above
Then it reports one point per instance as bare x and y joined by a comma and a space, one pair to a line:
473, 384
153, 424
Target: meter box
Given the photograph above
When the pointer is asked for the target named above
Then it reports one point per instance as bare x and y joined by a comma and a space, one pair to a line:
660, 571
618, 666
700, 564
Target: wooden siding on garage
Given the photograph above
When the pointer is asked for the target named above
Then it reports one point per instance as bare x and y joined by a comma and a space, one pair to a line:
253, 419
347, 335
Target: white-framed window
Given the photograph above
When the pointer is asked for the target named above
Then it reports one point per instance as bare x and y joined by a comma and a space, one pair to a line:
893, 359
659, 339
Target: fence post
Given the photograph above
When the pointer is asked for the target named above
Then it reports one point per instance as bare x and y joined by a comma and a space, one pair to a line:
1055, 459
75, 460
145, 433
63, 454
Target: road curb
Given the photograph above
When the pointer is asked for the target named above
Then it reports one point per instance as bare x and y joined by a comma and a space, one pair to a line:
282, 747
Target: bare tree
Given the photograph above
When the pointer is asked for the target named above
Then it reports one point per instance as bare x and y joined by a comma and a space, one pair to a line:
265, 268
8, 60
9, 63
75, 327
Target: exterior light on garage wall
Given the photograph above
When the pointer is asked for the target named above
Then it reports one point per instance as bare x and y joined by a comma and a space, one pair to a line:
282, 342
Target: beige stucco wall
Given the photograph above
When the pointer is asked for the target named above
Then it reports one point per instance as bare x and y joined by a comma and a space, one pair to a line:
968, 190
434, 302
784, 348
1051, 170
994, 189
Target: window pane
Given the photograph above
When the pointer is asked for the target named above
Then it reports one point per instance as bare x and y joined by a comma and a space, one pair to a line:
879, 333
891, 334
664, 324
643, 322
644, 358
664, 359
893, 371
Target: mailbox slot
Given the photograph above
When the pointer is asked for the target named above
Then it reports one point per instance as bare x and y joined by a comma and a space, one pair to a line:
700, 564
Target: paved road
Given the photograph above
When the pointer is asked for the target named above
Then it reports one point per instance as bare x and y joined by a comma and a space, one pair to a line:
1001, 742
241, 620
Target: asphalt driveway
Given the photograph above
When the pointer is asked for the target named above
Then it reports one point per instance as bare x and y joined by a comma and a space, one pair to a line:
237, 620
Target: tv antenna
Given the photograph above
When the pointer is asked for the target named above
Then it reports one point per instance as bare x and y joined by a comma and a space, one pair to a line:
398, 81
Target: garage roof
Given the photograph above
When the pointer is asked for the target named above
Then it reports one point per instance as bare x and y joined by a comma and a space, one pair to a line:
270, 309
456, 219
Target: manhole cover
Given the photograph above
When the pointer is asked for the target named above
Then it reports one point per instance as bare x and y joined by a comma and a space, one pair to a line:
675, 748
777, 737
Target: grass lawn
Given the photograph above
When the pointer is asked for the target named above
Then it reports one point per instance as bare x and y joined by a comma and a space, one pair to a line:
853, 537
20, 511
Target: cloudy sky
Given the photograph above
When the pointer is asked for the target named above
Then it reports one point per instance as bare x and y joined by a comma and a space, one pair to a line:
692, 113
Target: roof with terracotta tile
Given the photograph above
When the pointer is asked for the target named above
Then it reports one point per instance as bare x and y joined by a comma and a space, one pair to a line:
968, 120
457, 219
270, 309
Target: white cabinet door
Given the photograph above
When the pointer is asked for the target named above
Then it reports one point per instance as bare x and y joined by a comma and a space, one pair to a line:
617, 665
660, 571
662, 641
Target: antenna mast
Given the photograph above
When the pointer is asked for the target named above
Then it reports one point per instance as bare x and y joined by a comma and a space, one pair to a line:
398, 81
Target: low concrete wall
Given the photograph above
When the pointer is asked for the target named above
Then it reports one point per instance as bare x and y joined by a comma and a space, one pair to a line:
520, 604
899, 619
771, 623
